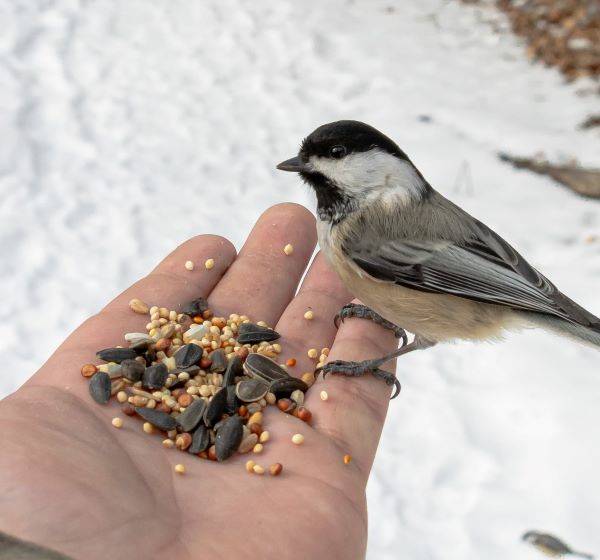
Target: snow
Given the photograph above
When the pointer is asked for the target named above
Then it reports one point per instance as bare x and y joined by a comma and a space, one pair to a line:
117, 115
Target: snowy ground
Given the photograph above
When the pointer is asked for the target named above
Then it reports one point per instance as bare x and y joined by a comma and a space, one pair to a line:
115, 115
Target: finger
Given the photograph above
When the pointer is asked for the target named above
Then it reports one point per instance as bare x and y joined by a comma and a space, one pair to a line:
323, 293
263, 279
355, 410
168, 285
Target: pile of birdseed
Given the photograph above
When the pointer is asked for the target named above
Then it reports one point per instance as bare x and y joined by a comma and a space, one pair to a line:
202, 380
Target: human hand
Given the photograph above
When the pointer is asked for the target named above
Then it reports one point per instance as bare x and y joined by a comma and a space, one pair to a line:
73, 483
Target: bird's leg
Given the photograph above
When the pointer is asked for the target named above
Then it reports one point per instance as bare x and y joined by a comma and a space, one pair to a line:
363, 312
356, 369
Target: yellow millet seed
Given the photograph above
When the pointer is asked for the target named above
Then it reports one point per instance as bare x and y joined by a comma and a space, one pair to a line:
148, 428
309, 315
210, 263
298, 439
179, 468
257, 469
312, 353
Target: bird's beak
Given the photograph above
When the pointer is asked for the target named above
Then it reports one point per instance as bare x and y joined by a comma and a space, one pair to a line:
293, 164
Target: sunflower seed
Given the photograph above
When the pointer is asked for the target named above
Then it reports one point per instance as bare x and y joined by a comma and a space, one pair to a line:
155, 376
249, 333
200, 440
261, 367
192, 415
192, 370
134, 337
132, 370
234, 369
218, 361
188, 355
100, 387
116, 354
195, 307
251, 390
285, 387
228, 438
161, 420
196, 332
232, 401
215, 408
248, 442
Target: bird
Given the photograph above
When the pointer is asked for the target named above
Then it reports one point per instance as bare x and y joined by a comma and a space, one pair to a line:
414, 259
551, 546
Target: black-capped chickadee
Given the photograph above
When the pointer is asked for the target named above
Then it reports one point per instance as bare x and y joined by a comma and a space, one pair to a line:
414, 258
551, 546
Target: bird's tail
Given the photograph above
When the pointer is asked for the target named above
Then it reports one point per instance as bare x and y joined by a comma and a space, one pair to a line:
589, 335
582, 555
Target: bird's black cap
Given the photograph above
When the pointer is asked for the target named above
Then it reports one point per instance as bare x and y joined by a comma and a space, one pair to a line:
355, 136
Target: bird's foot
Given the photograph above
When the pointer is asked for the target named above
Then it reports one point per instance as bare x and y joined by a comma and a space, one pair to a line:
357, 369
363, 312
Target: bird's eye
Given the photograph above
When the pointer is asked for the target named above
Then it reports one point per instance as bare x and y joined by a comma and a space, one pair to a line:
337, 152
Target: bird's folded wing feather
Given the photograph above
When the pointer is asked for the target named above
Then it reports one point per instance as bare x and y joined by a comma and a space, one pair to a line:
484, 268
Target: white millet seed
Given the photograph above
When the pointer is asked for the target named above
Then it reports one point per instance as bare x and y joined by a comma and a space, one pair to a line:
117, 422
189, 265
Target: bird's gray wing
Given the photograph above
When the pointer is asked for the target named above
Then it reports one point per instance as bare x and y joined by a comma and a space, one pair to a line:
483, 268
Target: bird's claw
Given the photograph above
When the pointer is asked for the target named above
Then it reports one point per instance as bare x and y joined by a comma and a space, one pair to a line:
363, 312
356, 369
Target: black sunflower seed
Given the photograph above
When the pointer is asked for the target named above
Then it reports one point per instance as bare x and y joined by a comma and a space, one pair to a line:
100, 387
189, 419
200, 440
232, 401
234, 369
188, 355
285, 387
261, 367
251, 390
195, 307
155, 376
249, 333
229, 437
161, 420
215, 408
132, 370
218, 361
140, 347
116, 354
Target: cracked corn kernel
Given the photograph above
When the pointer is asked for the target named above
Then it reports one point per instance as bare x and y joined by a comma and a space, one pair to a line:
209, 263
288, 249
117, 422
179, 468
189, 265
168, 443
250, 466
298, 439
138, 306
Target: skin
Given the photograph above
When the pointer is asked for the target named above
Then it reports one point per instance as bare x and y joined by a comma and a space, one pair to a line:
70, 481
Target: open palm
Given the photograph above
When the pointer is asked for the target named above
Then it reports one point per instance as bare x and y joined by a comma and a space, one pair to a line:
72, 482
